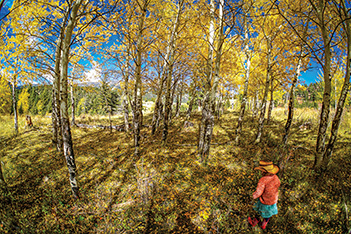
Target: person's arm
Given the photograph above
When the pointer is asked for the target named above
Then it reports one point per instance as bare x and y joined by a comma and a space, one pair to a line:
259, 189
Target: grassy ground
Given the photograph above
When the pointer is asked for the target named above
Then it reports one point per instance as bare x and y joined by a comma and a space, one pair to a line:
165, 189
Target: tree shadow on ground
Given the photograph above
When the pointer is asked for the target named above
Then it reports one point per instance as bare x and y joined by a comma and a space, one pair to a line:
188, 198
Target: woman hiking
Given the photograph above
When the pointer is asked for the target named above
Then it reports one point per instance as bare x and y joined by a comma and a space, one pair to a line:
267, 192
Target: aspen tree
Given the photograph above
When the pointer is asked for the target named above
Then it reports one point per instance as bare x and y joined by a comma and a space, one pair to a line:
125, 93
247, 75
166, 77
322, 15
169, 62
271, 99
137, 105
16, 67
345, 18
122, 53
211, 83
319, 8
122, 56
73, 109
66, 130
291, 94
14, 102
291, 102
179, 98
56, 112
262, 108
270, 27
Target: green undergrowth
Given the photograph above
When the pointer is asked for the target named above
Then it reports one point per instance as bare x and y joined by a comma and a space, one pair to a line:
165, 189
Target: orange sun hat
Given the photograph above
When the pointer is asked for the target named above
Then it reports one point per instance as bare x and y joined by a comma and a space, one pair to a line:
267, 167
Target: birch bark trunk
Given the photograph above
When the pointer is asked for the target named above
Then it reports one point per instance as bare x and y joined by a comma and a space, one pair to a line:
125, 107
166, 69
72, 105
179, 100
168, 103
137, 117
2, 179
207, 121
324, 117
264, 100
158, 104
246, 85
56, 115
343, 95
291, 103
168, 98
66, 130
218, 104
191, 103
271, 101
173, 96
200, 102
125, 94
14, 103
205, 130
255, 105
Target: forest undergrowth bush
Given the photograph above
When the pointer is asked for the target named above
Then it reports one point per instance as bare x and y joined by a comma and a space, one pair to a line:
165, 189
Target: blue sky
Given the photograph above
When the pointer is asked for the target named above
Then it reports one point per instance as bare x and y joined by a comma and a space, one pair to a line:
310, 76
8, 3
6, 7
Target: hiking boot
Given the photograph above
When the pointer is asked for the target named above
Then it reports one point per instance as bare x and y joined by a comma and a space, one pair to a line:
253, 222
264, 224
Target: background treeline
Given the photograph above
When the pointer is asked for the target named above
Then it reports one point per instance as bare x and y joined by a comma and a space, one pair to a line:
37, 99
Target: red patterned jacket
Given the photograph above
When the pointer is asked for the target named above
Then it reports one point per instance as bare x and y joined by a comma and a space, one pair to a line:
267, 189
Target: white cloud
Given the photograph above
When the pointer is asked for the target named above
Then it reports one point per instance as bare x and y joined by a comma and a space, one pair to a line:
93, 75
49, 78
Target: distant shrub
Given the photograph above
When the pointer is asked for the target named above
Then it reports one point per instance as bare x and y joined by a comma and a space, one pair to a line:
184, 107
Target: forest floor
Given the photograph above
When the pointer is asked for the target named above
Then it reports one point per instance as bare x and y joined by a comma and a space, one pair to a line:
165, 189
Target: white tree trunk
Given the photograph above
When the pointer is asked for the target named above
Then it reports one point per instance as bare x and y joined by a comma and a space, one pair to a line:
264, 100
56, 112
73, 122
137, 105
14, 103
66, 130
343, 94
291, 105
207, 121
166, 74
324, 116
246, 84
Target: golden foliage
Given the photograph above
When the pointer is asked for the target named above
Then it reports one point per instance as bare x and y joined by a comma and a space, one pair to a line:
23, 100
5, 96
